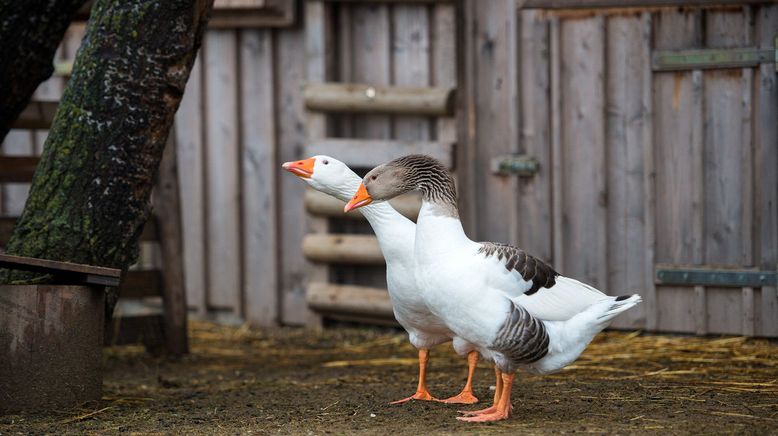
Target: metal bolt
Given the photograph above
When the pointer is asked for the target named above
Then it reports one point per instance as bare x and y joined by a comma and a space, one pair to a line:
370, 93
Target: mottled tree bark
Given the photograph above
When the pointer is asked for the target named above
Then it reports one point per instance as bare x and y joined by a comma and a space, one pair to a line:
30, 31
91, 193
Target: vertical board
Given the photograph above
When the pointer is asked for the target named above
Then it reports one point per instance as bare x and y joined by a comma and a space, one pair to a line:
628, 56
290, 75
189, 147
765, 174
535, 192
259, 167
725, 153
16, 143
444, 62
496, 117
678, 155
410, 63
223, 242
371, 62
583, 150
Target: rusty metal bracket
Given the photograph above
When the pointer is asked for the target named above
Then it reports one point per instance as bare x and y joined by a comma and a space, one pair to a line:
713, 58
515, 164
690, 276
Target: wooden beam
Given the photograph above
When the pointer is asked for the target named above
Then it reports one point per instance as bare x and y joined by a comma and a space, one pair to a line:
352, 97
320, 204
37, 115
343, 249
359, 300
369, 153
17, 169
141, 284
593, 4
64, 272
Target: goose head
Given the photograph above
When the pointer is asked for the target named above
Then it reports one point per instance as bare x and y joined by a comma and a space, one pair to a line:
325, 174
404, 174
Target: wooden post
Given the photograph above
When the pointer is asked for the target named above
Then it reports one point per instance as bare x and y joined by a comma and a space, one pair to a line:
170, 230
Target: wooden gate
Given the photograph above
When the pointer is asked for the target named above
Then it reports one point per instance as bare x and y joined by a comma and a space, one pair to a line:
657, 165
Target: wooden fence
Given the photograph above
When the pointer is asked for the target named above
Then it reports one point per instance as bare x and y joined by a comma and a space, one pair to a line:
632, 169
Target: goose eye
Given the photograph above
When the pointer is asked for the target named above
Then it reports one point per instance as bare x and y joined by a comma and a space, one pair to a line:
373, 177
325, 162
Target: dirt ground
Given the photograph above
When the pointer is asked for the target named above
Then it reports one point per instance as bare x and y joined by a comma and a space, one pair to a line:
339, 381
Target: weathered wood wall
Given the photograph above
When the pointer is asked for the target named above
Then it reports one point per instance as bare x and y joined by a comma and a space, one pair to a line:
644, 167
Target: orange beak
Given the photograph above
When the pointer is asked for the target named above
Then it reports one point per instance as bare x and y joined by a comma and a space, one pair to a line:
301, 168
361, 198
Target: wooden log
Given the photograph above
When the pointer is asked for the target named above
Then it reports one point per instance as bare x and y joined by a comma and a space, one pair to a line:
321, 204
368, 153
37, 115
171, 245
360, 300
342, 249
17, 169
352, 97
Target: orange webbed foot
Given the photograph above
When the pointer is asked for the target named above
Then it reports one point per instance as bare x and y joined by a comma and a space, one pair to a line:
418, 396
464, 397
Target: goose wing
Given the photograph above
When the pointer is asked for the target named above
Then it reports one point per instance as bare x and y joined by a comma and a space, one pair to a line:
535, 285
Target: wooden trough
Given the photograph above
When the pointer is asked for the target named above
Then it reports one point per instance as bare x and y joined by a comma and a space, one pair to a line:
51, 336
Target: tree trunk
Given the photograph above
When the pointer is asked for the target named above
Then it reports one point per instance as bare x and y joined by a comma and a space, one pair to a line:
91, 193
30, 32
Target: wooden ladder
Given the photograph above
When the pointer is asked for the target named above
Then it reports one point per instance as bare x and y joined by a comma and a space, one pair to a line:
324, 97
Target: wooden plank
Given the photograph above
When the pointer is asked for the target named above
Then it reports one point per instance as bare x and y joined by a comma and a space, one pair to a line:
342, 249
18, 169
221, 163
141, 284
557, 175
362, 98
649, 183
319, 66
190, 149
535, 192
628, 53
583, 150
368, 153
70, 273
466, 30
260, 280
678, 156
700, 311
765, 163
321, 204
328, 298
495, 115
445, 59
725, 156
168, 213
37, 115
371, 63
747, 317
589, 4
411, 64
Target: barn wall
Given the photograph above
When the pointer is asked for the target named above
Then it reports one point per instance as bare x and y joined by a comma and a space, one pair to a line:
650, 168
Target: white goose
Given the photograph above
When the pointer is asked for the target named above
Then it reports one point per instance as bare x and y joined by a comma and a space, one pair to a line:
514, 308
395, 234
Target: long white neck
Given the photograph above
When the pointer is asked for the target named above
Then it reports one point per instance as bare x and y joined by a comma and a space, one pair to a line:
437, 232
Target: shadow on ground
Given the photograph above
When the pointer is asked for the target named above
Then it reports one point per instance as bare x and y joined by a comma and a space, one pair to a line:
292, 381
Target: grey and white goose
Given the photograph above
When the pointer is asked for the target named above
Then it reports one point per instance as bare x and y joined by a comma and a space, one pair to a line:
513, 308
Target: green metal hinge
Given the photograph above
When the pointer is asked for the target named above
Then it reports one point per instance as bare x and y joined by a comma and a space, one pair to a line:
683, 276
714, 58
515, 164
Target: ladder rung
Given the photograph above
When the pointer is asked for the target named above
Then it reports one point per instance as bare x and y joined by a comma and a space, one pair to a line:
358, 300
342, 249
368, 153
320, 204
352, 97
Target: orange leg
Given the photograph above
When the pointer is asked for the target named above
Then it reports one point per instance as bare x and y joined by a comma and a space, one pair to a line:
504, 407
466, 396
421, 391
497, 393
